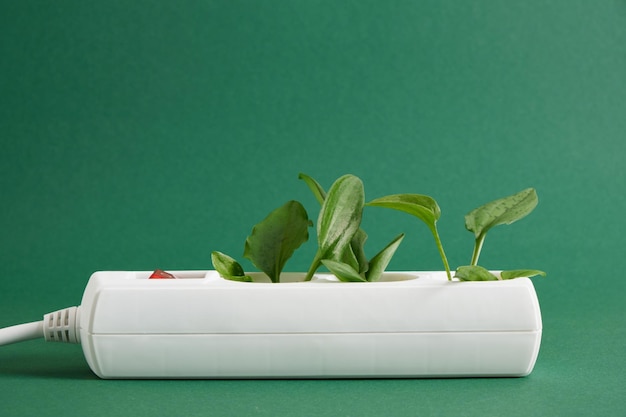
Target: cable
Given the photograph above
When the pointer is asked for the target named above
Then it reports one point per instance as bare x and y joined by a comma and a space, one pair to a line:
21, 332
58, 326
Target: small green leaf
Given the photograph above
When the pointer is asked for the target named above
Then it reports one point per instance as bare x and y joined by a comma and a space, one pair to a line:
228, 268
273, 240
354, 254
342, 271
474, 273
505, 210
316, 188
356, 249
339, 219
421, 206
226, 265
502, 211
379, 262
519, 273
244, 278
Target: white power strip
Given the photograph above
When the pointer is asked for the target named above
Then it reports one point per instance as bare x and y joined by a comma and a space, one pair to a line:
412, 324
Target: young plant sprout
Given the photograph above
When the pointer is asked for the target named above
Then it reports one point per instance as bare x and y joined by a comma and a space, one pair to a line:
347, 261
274, 240
424, 208
478, 273
270, 244
228, 267
505, 210
340, 239
339, 236
338, 221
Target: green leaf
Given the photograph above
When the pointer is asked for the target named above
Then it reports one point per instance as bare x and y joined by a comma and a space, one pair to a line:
474, 273
505, 210
357, 251
342, 271
347, 257
519, 273
379, 262
339, 219
421, 206
353, 255
228, 268
316, 188
502, 211
340, 216
273, 240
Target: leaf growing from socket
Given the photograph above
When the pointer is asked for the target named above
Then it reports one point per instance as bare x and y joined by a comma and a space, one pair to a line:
474, 273
343, 271
505, 210
379, 262
339, 220
519, 273
228, 268
354, 254
273, 240
421, 206
478, 273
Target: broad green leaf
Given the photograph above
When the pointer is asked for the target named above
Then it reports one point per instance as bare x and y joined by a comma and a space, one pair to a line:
342, 271
502, 211
316, 188
421, 206
379, 262
273, 240
339, 219
340, 216
474, 273
228, 268
519, 273
354, 254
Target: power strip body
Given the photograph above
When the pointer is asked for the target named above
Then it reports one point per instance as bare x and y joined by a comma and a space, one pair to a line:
412, 324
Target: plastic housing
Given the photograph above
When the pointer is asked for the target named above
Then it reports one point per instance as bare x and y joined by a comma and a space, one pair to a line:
410, 324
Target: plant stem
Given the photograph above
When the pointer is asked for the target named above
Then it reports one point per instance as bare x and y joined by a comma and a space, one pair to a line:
441, 251
478, 245
314, 265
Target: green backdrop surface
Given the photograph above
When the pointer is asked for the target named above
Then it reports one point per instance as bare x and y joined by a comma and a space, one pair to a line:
145, 134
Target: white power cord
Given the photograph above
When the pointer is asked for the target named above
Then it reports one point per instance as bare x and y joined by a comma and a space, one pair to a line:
58, 326
21, 332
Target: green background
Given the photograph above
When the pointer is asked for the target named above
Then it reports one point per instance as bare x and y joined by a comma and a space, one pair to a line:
145, 134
